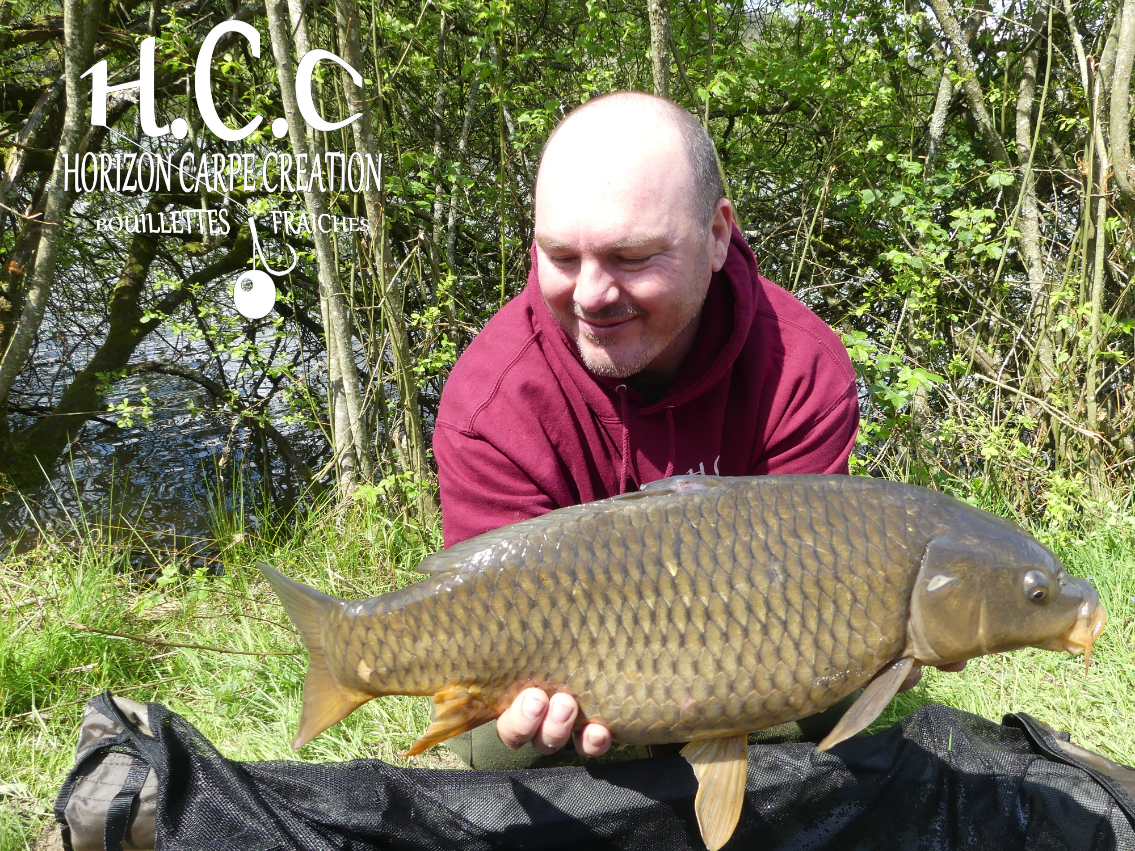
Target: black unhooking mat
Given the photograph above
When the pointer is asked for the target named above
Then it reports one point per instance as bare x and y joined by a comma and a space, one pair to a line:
939, 779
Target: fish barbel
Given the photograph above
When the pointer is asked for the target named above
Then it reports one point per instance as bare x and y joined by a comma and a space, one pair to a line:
696, 610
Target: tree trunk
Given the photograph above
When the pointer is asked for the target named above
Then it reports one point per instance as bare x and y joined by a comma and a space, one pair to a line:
936, 132
462, 146
1097, 274
80, 22
337, 409
33, 135
14, 271
1030, 214
1120, 118
347, 23
350, 443
659, 12
439, 114
970, 84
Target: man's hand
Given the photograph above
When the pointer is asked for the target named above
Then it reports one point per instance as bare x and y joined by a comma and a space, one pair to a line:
547, 724
915, 675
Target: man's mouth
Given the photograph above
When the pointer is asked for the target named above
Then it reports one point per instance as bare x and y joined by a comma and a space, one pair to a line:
607, 323
606, 328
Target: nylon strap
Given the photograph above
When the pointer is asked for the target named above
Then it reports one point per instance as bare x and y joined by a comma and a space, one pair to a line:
118, 813
1040, 738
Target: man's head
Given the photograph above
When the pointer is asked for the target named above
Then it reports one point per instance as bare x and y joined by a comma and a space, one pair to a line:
630, 226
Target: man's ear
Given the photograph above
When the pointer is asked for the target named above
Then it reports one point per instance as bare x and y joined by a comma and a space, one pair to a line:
721, 229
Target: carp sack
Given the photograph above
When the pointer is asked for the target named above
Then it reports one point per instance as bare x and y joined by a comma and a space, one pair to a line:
696, 610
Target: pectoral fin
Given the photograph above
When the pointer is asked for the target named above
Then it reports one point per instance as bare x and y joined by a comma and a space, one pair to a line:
455, 711
872, 702
721, 766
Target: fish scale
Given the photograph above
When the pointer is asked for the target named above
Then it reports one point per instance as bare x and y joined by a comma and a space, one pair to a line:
697, 610
679, 601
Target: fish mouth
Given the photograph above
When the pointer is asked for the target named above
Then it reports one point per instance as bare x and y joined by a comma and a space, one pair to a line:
1090, 620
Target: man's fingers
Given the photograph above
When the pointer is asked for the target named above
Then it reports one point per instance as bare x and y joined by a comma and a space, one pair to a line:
519, 723
556, 729
593, 740
532, 717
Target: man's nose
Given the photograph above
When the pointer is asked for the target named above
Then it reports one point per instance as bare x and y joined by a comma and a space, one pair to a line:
595, 288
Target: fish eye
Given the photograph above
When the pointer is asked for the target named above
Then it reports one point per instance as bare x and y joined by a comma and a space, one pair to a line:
1036, 585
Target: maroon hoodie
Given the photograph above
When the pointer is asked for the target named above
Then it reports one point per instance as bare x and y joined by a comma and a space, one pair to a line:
524, 427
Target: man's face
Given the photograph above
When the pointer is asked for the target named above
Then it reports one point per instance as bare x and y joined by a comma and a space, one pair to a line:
624, 264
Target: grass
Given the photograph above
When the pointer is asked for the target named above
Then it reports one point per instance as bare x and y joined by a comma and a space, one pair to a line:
51, 663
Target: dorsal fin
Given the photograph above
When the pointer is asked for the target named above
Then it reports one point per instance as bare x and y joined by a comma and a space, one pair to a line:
690, 484
462, 556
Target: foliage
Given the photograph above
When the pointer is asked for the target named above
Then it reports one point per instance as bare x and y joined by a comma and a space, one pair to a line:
977, 268
991, 336
95, 576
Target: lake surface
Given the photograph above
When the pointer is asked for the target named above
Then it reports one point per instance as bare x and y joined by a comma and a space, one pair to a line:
164, 479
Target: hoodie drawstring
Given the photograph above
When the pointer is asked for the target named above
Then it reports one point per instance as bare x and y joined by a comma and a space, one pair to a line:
625, 419
626, 410
670, 432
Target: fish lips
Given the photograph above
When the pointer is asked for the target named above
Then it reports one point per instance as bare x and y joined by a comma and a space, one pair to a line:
1090, 620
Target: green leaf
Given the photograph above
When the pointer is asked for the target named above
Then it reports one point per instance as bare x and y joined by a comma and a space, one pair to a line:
1000, 178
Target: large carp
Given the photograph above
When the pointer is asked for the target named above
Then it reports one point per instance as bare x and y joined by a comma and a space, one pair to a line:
697, 609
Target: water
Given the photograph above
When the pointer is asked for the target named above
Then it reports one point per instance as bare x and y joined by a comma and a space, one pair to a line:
160, 481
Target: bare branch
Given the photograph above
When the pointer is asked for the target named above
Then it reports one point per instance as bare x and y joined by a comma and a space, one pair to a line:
161, 642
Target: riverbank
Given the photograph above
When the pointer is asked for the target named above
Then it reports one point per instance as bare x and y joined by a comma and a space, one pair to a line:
75, 619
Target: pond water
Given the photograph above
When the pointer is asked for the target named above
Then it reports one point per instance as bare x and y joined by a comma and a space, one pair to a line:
160, 480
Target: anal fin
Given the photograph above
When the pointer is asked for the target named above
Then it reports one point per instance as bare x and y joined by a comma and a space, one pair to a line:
870, 704
721, 766
455, 711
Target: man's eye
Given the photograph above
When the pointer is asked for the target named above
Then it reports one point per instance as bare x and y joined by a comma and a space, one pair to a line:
634, 261
562, 261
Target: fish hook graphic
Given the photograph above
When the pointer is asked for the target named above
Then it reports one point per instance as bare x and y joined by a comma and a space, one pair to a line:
257, 251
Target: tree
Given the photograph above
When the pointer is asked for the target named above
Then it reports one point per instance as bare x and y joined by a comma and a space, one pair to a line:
948, 186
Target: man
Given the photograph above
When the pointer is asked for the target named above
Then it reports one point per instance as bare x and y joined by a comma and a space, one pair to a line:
645, 345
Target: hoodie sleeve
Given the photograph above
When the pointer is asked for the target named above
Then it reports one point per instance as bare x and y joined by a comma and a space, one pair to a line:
481, 487
818, 440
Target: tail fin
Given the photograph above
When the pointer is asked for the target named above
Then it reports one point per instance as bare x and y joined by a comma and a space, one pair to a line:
325, 700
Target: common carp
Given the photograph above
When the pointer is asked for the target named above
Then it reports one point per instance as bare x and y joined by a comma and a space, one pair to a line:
696, 610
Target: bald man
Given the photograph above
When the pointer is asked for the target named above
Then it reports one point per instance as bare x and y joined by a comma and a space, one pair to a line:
645, 345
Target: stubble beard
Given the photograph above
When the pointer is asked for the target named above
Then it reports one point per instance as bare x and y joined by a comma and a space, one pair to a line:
605, 366
649, 346
608, 368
